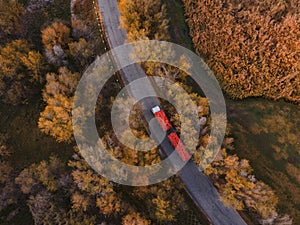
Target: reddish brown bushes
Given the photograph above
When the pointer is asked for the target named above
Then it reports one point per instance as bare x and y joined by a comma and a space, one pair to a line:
252, 46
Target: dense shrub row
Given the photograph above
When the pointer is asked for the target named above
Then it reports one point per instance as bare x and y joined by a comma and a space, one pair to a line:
252, 46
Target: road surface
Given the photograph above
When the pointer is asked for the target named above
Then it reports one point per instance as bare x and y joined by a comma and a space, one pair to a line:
196, 183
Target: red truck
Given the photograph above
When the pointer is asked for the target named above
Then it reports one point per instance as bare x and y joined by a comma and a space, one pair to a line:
172, 135
161, 118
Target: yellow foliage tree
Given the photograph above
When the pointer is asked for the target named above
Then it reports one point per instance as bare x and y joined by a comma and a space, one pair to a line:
56, 119
134, 219
247, 46
93, 190
238, 186
144, 19
162, 200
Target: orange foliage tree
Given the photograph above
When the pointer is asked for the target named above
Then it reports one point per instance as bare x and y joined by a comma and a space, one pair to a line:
252, 46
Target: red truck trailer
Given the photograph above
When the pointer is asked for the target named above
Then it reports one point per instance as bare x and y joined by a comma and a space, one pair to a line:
179, 147
161, 118
172, 135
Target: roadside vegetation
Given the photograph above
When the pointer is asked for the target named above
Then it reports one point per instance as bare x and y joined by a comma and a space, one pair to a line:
263, 132
232, 176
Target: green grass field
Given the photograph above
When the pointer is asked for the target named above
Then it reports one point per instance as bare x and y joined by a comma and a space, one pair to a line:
266, 133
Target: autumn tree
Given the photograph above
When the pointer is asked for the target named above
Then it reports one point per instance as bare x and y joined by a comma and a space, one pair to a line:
62, 49
163, 201
84, 20
235, 180
48, 187
239, 187
134, 135
147, 20
43, 184
20, 72
246, 45
144, 19
56, 117
86, 33
75, 195
80, 218
55, 39
47, 175
11, 26
134, 219
82, 52
93, 190
45, 210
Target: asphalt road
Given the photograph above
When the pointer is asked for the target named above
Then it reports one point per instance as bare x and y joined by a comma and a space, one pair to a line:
196, 183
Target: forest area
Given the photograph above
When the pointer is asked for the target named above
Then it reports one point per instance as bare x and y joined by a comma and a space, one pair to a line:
45, 47
252, 46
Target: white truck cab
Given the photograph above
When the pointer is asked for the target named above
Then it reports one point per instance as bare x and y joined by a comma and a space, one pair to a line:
155, 109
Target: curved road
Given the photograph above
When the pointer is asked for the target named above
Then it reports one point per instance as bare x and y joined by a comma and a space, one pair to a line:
196, 183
